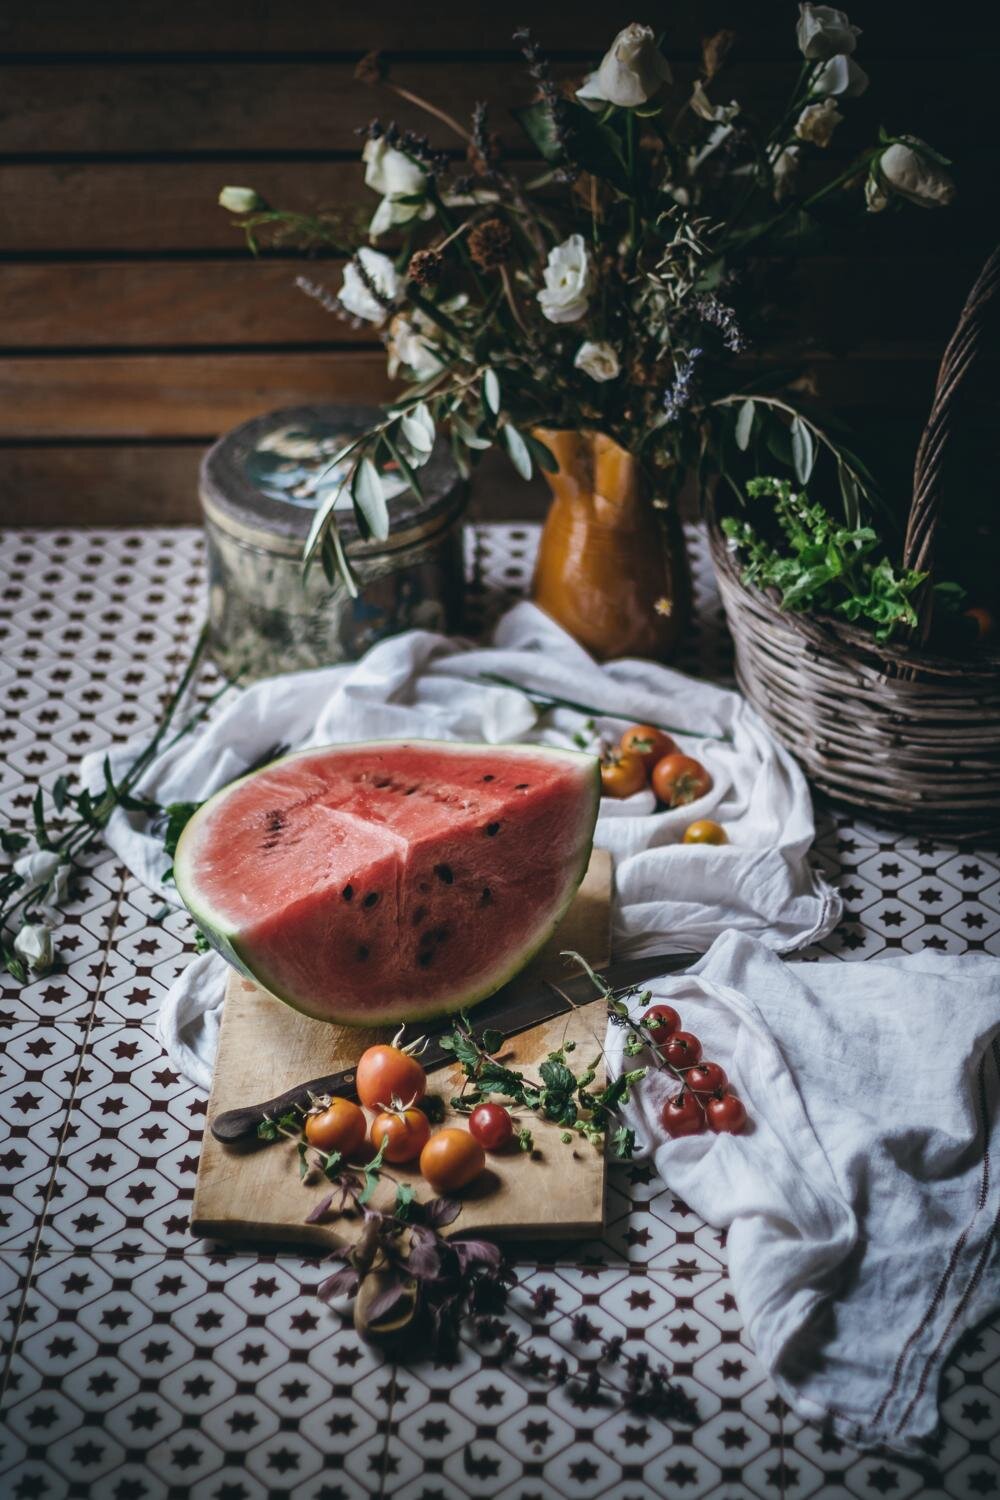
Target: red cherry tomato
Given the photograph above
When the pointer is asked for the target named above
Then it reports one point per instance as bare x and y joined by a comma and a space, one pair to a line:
387, 1073
405, 1132
652, 744
491, 1126
706, 1078
660, 1021
622, 774
682, 1049
679, 779
340, 1127
683, 1115
726, 1115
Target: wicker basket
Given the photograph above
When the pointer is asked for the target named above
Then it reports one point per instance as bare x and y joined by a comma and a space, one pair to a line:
905, 735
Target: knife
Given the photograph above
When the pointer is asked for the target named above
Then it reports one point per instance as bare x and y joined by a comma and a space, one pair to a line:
516, 1007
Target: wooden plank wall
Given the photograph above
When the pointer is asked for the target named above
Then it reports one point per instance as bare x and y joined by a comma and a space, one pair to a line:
135, 326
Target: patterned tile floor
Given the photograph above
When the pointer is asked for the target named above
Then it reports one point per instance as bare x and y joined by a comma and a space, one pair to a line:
140, 1363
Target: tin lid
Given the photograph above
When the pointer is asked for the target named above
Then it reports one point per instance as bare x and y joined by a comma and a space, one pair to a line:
263, 481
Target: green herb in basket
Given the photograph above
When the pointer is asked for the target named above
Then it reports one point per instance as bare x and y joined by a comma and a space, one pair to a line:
818, 565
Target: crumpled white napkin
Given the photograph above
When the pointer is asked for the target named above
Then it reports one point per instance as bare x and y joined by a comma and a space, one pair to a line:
860, 1204
668, 896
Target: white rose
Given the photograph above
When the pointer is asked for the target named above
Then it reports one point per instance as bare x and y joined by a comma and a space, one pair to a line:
41, 868
817, 122
355, 296
822, 32
914, 174
34, 944
786, 172
631, 71
239, 200
408, 345
568, 277
841, 76
393, 174
598, 360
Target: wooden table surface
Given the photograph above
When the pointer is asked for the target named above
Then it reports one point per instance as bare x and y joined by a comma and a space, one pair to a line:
146, 1364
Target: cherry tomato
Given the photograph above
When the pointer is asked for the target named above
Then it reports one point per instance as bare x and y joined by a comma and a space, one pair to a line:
622, 773
726, 1115
652, 744
660, 1021
340, 1127
683, 1115
386, 1073
406, 1133
681, 1049
451, 1159
491, 1126
679, 779
982, 620
704, 831
706, 1078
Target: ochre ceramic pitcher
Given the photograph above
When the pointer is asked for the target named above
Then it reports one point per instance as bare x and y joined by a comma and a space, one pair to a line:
611, 567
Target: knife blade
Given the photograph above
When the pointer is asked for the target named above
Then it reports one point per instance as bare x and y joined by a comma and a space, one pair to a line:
516, 1007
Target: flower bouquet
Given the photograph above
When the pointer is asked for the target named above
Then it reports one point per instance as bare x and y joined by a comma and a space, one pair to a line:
594, 315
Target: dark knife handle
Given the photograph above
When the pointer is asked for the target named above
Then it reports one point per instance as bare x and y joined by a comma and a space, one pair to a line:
236, 1125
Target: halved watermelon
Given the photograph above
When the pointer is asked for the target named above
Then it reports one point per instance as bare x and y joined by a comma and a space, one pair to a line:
390, 880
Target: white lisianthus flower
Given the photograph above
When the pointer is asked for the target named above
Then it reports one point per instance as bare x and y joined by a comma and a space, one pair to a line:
841, 76
817, 122
822, 32
34, 944
409, 345
631, 71
44, 867
568, 277
355, 296
599, 360
786, 172
240, 200
910, 168
395, 176
876, 197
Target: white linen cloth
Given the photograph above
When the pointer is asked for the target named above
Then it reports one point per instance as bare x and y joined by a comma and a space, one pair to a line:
668, 896
860, 1205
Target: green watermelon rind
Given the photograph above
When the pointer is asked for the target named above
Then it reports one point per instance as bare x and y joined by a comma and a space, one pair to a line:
223, 939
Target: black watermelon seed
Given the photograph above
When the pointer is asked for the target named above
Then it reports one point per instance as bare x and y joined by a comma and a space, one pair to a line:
489, 778
372, 899
410, 790
348, 893
418, 915
363, 951
522, 786
426, 957
487, 896
445, 873
492, 829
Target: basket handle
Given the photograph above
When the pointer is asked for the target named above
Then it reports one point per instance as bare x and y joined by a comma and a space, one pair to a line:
928, 473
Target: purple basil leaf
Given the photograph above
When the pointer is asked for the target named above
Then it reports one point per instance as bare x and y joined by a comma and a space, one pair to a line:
476, 1253
342, 1283
424, 1259
320, 1209
387, 1301
441, 1211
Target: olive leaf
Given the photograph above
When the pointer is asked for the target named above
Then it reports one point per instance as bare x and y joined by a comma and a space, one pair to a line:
368, 494
517, 448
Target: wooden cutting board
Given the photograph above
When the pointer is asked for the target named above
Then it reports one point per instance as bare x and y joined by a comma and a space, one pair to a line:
254, 1193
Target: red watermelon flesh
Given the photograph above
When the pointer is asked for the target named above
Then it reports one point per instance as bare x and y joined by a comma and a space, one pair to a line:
390, 880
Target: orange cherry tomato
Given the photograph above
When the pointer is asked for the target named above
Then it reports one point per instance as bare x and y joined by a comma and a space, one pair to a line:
652, 744
405, 1132
704, 831
340, 1127
679, 779
387, 1073
451, 1160
622, 773
983, 621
